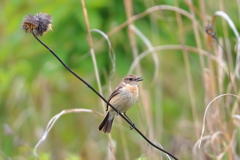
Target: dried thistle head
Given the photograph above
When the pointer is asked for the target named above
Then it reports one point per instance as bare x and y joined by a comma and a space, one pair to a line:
37, 24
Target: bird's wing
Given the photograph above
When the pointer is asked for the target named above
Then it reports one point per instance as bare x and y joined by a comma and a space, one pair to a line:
114, 93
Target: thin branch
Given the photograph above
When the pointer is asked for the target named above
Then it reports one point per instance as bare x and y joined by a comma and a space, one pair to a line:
89, 86
53, 121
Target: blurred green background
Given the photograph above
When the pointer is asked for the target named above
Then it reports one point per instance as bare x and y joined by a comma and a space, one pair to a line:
34, 86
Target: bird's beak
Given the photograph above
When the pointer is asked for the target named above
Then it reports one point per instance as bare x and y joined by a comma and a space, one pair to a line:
140, 79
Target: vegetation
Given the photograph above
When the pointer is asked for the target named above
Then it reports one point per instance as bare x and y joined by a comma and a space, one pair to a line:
191, 79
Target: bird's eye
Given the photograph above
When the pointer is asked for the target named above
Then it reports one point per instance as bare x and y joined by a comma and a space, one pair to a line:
130, 79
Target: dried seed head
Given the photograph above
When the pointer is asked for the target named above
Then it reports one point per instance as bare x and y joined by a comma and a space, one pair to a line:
209, 30
29, 23
211, 34
37, 24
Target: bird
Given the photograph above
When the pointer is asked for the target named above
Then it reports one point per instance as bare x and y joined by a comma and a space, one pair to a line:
122, 98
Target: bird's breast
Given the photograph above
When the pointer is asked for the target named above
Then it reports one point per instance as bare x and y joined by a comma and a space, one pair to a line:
126, 98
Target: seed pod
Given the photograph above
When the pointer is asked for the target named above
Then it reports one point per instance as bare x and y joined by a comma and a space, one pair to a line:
37, 24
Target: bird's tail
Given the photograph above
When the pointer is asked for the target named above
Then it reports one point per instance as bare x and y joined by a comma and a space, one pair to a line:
106, 124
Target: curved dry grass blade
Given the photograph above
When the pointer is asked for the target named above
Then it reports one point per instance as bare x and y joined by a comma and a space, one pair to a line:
236, 120
233, 27
236, 116
151, 10
205, 113
217, 137
226, 17
54, 119
226, 148
175, 47
149, 45
168, 157
110, 52
195, 147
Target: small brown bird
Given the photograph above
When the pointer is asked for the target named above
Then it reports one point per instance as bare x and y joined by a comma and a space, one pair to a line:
122, 98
